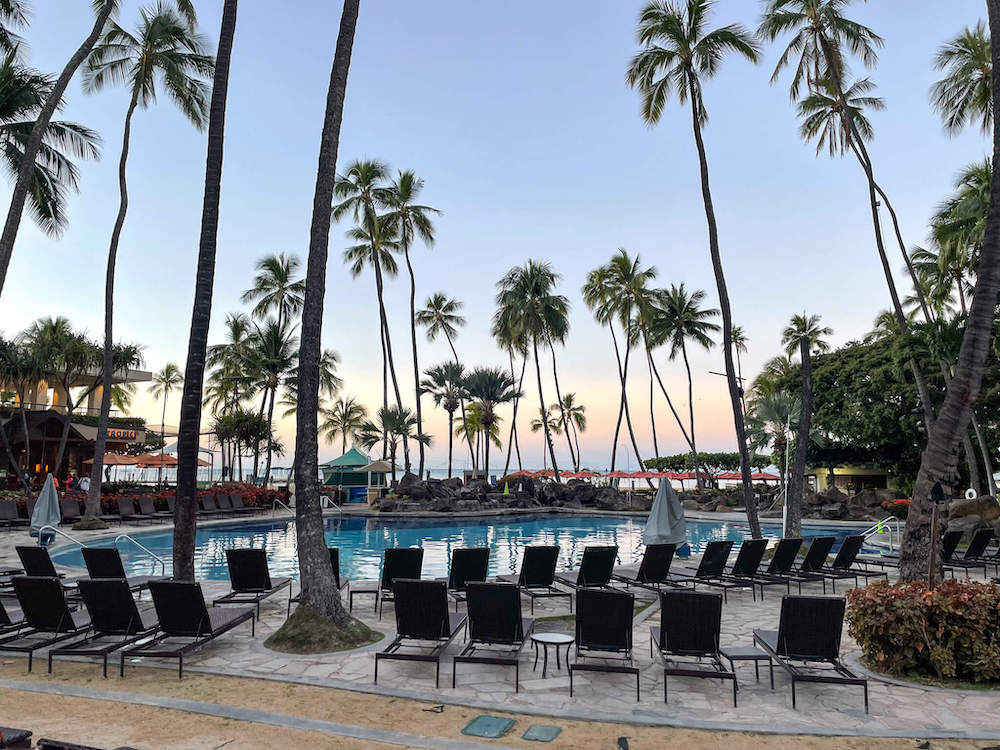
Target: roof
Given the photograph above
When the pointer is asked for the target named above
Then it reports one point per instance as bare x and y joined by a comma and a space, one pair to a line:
353, 458
377, 467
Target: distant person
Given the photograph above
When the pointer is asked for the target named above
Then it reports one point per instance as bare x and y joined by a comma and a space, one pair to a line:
74, 482
84, 484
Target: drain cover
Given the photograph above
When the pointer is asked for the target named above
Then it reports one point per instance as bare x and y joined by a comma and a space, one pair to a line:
488, 727
541, 733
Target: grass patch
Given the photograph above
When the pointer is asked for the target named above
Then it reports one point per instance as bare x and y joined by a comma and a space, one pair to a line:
307, 632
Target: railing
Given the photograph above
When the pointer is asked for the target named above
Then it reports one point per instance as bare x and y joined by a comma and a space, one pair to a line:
54, 530
891, 526
156, 557
276, 503
325, 501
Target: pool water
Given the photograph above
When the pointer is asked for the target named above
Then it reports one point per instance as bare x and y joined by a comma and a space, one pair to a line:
361, 541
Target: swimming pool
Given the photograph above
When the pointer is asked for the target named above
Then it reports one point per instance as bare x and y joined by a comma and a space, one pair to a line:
361, 541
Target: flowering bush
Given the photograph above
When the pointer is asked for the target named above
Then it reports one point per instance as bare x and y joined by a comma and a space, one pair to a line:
900, 508
950, 632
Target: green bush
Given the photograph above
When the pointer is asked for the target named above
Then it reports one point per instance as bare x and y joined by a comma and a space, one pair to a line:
950, 632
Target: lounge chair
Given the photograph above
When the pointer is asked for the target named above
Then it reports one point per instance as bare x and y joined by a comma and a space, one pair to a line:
181, 610
38, 564
817, 556
711, 570
497, 631
47, 615
596, 568
116, 621
16, 738
654, 568
106, 562
604, 632
69, 509
341, 582
422, 623
236, 501
779, 570
208, 507
251, 579
538, 574
747, 566
127, 511
809, 631
842, 567
973, 556
224, 505
148, 508
11, 618
690, 624
468, 565
949, 543
397, 562
9, 517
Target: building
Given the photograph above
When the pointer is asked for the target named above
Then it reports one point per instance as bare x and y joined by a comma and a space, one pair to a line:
848, 479
356, 474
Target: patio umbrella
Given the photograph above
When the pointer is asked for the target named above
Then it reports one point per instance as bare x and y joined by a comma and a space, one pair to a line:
46, 512
116, 459
153, 460
666, 523
618, 475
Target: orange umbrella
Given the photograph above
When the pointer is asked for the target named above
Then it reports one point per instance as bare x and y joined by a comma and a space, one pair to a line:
154, 460
116, 459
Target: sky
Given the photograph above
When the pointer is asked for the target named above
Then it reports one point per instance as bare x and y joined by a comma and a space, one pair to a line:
518, 118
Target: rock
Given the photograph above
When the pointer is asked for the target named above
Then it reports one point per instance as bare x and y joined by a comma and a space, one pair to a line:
452, 483
690, 503
832, 511
443, 504
985, 507
723, 508
814, 499
407, 479
467, 504
865, 499
609, 498
387, 504
963, 523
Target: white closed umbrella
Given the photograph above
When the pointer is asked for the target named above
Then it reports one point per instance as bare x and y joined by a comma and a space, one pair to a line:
666, 524
46, 512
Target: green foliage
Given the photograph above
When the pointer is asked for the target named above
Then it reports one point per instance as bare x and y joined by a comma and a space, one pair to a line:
130, 423
952, 632
714, 462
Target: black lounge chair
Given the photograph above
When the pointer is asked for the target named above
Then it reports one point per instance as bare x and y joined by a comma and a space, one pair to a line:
842, 568
973, 556
127, 511
106, 562
224, 505
397, 562
183, 615
596, 568
11, 619
422, 622
236, 501
604, 632
468, 565
711, 570
538, 574
817, 556
9, 517
69, 509
37, 564
809, 631
690, 624
949, 543
251, 579
747, 566
494, 621
16, 738
115, 619
341, 582
208, 507
46, 614
779, 570
148, 507
654, 568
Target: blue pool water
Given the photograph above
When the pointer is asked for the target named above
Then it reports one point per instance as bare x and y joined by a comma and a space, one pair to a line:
361, 541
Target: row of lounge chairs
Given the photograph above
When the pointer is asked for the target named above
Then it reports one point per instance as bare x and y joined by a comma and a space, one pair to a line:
979, 554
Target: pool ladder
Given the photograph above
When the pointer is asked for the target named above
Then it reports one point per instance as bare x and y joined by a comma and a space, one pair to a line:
157, 560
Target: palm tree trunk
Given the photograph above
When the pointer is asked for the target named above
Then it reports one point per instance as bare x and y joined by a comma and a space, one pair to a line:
562, 410
461, 401
486, 453
388, 350
727, 324
256, 447
413, 342
319, 589
652, 414
512, 440
621, 400
541, 401
970, 461
270, 428
93, 504
26, 168
991, 483
385, 387
163, 419
694, 449
451, 438
796, 482
938, 463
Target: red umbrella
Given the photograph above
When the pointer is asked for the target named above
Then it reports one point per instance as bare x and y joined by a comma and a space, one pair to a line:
116, 459
644, 475
520, 473
618, 475
153, 460
764, 476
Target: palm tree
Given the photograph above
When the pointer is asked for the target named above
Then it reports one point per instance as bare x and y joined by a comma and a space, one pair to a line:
164, 382
122, 396
275, 288
679, 318
513, 342
271, 359
526, 300
445, 383
330, 383
398, 423
26, 171
412, 220
576, 417
548, 421
740, 341
773, 376
769, 419
965, 94
23, 93
165, 50
13, 15
478, 423
805, 335
344, 418
319, 588
677, 54
489, 387
229, 379
960, 221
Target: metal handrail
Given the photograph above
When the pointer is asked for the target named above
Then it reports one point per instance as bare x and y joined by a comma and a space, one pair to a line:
60, 533
328, 501
892, 524
156, 557
276, 503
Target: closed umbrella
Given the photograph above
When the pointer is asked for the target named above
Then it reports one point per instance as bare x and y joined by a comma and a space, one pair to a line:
46, 512
666, 523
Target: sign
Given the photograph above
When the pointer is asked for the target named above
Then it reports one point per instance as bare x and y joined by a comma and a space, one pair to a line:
120, 433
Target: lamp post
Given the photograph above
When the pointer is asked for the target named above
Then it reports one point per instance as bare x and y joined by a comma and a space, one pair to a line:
937, 499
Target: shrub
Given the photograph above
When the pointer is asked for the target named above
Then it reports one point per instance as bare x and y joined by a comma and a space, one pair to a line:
900, 508
906, 629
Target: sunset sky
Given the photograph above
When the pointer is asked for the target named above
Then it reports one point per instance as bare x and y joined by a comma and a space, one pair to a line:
518, 118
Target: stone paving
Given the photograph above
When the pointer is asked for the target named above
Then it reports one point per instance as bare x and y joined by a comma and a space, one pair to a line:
896, 710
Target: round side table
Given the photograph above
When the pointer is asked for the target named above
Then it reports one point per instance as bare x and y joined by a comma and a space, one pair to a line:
547, 639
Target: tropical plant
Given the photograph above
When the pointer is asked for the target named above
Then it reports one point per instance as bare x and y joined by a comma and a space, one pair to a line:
576, 418
488, 388
13, 15
512, 342
960, 221
397, 423
769, 420
548, 421
445, 383
740, 341
965, 94
275, 288
165, 51
271, 359
805, 335
229, 381
330, 382
164, 382
344, 418
677, 54
412, 220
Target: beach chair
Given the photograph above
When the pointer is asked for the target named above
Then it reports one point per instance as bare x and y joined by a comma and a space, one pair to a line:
47, 616
251, 579
779, 569
496, 629
842, 568
604, 634
208, 507
596, 568
711, 570
116, 621
397, 562
224, 504
653, 571
148, 508
183, 616
973, 556
809, 632
690, 625
747, 565
236, 500
36, 563
949, 543
423, 623
9, 517
538, 574
106, 562
11, 618
17, 738
468, 565
127, 511
341, 582
817, 556
69, 509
